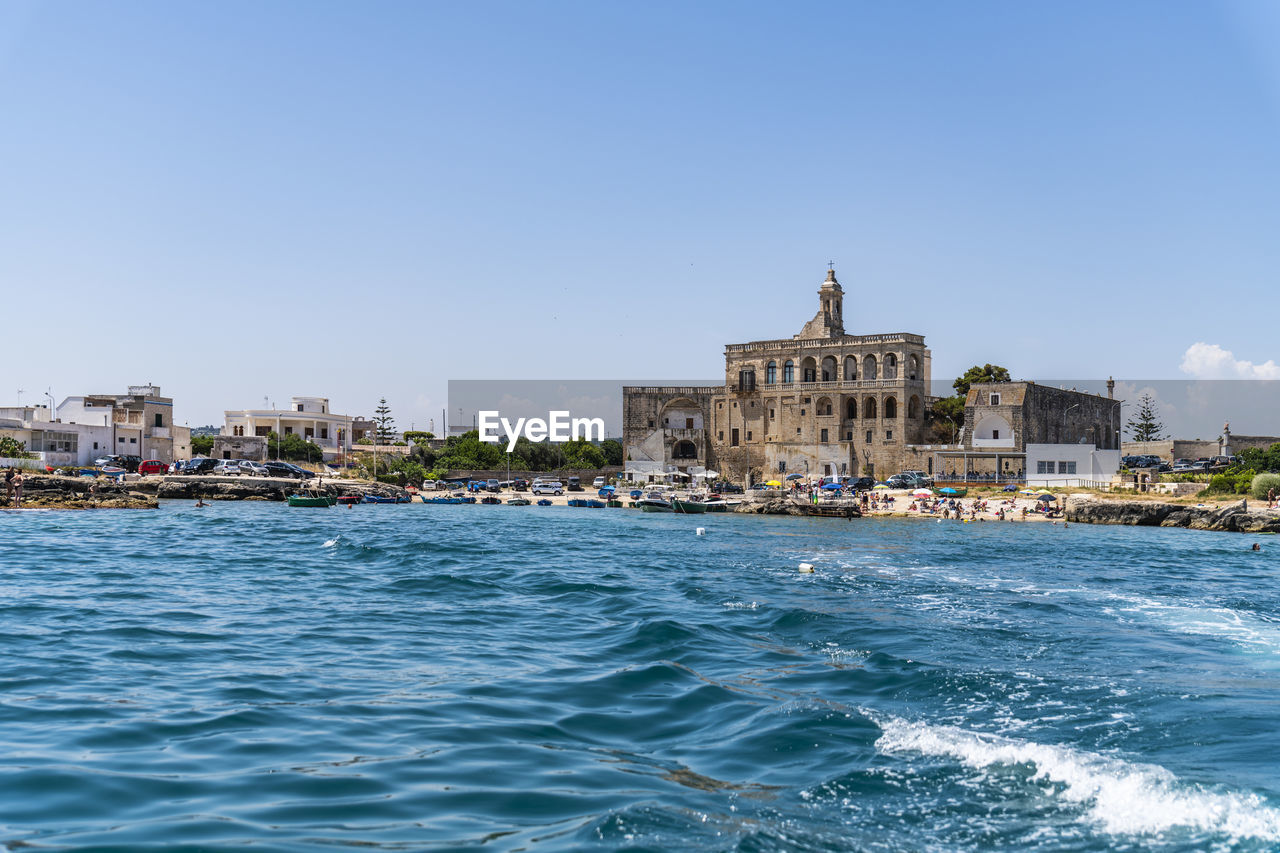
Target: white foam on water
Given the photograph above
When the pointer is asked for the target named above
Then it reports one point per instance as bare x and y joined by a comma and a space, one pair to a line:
1243, 629
740, 605
1120, 796
332, 543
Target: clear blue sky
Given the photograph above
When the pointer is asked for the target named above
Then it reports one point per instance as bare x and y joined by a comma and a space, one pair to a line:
244, 199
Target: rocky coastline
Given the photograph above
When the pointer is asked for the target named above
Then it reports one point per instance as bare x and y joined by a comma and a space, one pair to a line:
52, 491
1234, 518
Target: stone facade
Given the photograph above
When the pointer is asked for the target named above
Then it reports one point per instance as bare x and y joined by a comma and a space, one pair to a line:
824, 403
820, 403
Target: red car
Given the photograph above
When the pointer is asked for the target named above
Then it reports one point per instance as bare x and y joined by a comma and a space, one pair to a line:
153, 466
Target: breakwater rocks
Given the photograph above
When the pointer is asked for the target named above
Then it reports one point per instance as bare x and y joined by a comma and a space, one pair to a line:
771, 506
1233, 518
50, 491
261, 488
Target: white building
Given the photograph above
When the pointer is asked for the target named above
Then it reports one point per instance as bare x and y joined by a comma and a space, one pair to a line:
1070, 464
309, 417
54, 443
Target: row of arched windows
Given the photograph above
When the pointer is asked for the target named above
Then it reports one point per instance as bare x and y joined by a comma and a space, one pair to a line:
828, 370
869, 407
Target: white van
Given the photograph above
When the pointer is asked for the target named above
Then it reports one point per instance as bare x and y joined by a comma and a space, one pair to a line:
547, 487
598, 482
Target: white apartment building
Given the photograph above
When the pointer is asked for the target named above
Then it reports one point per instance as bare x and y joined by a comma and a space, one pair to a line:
309, 417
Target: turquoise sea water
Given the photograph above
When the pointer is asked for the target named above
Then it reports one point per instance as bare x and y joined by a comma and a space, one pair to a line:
503, 678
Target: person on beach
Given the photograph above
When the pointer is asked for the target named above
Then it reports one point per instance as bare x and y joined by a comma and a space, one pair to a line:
93, 492
17, 488
8, 486
1271, 498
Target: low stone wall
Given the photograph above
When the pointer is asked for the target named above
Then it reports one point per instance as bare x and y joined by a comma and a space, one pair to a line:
1233, 518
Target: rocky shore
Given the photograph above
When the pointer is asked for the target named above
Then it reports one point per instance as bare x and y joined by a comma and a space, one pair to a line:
1234, 517
51, 491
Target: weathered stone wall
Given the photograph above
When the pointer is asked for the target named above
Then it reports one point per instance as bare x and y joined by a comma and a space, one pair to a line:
250, 447
648, 432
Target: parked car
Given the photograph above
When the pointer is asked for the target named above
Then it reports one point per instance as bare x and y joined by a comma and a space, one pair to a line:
128, 463
276, 468
253, 469
545, 487
226, 468
202, 465
730, 489
863, 484
520, 485
575, 484
920, 479
153, 466
493, 485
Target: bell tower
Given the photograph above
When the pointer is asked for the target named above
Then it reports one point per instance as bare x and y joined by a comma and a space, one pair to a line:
829, 321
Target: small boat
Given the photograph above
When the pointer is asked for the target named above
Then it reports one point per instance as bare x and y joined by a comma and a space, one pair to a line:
348, 500
591, 503
310, 500
439, 500
613, 502
380, 499
491, 500
112, 471
519, 502
716, 505
952, 492
688, 507
654, 505
468, 499
544, 502
88, 472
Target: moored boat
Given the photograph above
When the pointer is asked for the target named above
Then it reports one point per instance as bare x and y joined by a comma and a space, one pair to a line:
348, 500
544, 502
439, 500
310, 500
519, 502
491, 500
688, 507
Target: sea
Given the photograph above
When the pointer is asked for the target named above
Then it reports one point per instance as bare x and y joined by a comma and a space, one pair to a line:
414, 677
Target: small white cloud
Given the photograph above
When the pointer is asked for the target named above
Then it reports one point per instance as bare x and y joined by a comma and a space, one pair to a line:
1210, 361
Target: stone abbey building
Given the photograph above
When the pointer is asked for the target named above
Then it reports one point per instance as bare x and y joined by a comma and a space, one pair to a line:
824, 403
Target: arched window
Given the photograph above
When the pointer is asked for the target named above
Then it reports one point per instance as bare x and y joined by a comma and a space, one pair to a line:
913, 367
869, 408
684, 450
850, 368
809, 370
824, 405
771, 373
789, 372
829, 369
869, 368
890, 408
890, 366
851, 408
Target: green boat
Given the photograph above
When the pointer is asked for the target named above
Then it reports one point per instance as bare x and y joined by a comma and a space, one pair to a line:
519, 502
688, 507
311, 500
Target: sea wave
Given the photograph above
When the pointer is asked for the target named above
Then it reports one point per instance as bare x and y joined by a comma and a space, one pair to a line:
1122, 797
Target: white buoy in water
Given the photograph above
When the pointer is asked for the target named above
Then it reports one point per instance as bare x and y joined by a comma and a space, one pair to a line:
806, 568
701, 531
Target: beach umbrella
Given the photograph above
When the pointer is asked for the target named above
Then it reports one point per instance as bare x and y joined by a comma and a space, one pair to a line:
773, 483
830, 486
880, 486
795, 476
1011, 488
922, 493
948, 491
1027, 492
1046, 497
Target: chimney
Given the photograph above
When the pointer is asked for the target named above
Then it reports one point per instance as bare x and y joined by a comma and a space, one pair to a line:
1111, 388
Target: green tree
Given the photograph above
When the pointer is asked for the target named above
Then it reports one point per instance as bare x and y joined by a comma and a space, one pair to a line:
293, 447
977, 375
612, 450
417, 436
11, 448
201, 445
386, 423
1145, 425
1261, 460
